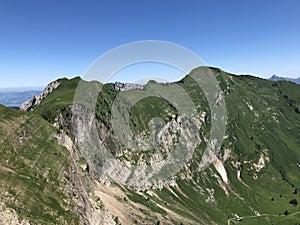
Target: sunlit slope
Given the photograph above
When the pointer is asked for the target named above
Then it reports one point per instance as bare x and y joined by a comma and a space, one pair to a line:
32, 170
260, 153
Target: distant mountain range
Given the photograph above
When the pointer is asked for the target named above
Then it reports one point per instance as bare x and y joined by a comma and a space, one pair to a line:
14, 98
276, 78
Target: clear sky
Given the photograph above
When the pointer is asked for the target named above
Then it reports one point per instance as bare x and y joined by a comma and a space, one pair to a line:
43, 40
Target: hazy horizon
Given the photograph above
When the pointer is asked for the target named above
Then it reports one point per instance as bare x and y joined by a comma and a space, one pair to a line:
21, 89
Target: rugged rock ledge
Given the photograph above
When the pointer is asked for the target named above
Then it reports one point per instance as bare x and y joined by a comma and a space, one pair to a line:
127, 86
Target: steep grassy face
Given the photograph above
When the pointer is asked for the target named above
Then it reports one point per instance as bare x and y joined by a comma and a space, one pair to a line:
267, 123
33, 169
263, 132
260, 154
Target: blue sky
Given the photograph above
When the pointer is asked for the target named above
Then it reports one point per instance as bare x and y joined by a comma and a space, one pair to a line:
43, 40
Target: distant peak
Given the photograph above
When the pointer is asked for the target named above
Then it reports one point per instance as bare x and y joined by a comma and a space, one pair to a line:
277, 78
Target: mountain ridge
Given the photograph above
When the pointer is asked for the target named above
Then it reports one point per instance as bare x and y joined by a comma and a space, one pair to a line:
260, 148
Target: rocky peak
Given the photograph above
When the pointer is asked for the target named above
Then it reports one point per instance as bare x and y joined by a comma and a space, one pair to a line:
127, 86
274, 77
36, 100
277, 78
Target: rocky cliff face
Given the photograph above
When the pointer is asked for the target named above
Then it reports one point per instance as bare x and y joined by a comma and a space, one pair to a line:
127, 86
32, 103
82, 183
9, 216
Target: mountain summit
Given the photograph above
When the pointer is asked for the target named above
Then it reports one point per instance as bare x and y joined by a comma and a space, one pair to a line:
276, 78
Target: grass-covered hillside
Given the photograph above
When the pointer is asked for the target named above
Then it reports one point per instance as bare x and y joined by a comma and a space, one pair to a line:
32, 171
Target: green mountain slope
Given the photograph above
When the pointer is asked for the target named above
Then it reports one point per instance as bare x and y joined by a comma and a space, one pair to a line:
32, 170
260, 154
